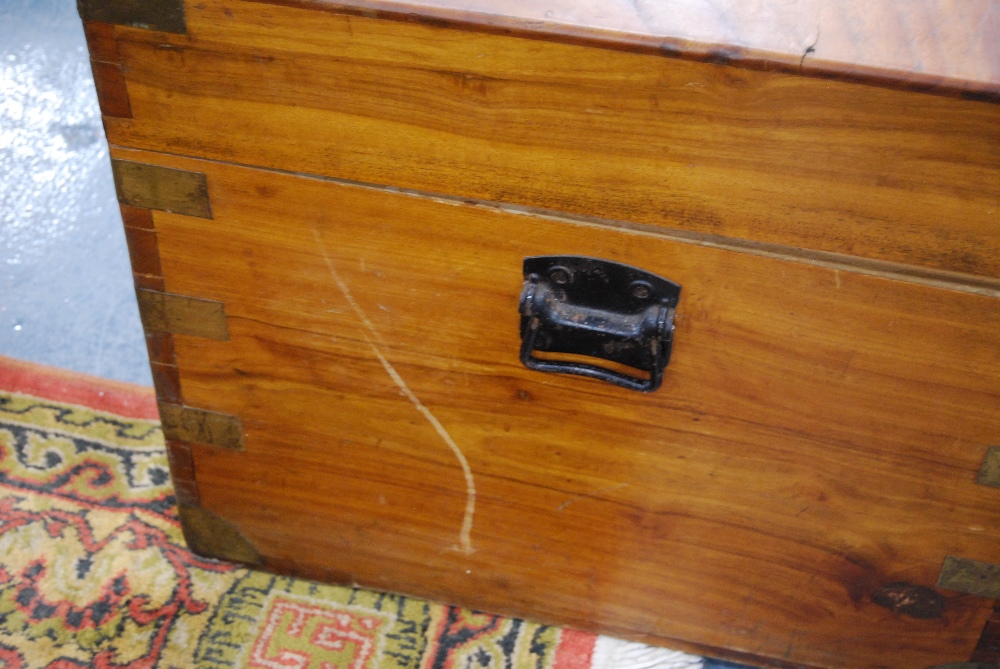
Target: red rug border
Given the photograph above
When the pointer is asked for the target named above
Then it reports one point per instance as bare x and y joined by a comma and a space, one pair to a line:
61, 385
575, 649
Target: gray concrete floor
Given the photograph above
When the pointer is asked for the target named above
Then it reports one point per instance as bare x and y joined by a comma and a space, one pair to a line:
66, 296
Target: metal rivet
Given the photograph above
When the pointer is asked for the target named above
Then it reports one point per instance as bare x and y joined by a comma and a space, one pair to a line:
559, 275
640, 290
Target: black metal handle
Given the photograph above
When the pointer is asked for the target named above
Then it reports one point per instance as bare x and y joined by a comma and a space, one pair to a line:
601, 309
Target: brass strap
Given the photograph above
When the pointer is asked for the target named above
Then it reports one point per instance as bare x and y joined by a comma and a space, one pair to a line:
181, 314
198, 426
163, 188
970, 576
989, 473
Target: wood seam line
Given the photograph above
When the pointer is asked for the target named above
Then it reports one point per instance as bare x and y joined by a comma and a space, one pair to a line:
166, 382
182, 472
143, 247
146, 282
102, 42
836, 262
112, 90
160, 348
144, 253
668, 47
106, 66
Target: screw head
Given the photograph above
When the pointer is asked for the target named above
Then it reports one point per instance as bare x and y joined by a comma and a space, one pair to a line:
640, 290
559, 275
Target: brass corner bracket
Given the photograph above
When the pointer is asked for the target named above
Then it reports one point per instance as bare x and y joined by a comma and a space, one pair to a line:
210, 535
163, 15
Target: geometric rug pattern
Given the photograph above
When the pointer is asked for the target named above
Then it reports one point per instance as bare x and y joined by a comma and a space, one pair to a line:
94, 571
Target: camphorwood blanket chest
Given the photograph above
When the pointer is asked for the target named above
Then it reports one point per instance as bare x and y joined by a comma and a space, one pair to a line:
329, 207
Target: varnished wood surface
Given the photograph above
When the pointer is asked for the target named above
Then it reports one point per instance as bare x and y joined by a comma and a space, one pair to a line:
817, 436
109, 82
949, 45
772, 158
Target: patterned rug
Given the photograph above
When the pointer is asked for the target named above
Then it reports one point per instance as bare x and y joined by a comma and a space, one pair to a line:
94, 571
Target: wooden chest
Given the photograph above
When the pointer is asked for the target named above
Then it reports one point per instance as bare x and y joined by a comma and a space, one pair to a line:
329, 206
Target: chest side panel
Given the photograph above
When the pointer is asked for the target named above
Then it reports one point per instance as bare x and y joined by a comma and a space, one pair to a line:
816, 440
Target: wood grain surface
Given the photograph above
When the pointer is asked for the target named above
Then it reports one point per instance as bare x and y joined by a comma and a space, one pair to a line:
718, 151
817, 436
945, 45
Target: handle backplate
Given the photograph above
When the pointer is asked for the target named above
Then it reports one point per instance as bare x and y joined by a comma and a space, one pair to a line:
599, 309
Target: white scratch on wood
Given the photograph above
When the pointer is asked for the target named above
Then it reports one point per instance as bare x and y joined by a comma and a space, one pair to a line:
372, 336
